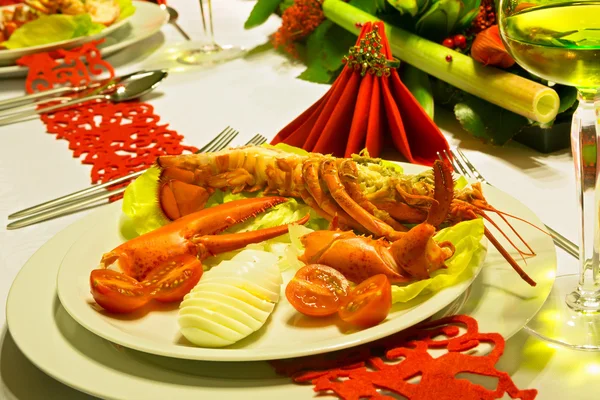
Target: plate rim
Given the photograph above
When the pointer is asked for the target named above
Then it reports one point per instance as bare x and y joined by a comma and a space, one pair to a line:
70, 300
34, 348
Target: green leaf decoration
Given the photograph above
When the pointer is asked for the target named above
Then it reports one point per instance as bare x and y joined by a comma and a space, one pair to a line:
486, 121
370, 6
285, 4
568, 97
325, 48
439, 21
405, 6
419, 85
467, 19
261, 12
317, 73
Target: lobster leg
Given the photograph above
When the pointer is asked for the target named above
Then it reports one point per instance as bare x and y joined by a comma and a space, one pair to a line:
310, 172
209, 245
402, 211
418, 254
349, 177
443, 193
330, 175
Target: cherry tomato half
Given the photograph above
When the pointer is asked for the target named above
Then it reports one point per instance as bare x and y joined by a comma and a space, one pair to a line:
117, 292
317, 290
173, 280
369, 303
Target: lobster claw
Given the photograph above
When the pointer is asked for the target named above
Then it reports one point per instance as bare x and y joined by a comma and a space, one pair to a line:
195, 235
418, 254
356, 257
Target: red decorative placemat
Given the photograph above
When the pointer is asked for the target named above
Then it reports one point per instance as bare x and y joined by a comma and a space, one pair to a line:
115, 139
392, 365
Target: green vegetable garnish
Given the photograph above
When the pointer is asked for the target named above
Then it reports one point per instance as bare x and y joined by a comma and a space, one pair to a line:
52, 28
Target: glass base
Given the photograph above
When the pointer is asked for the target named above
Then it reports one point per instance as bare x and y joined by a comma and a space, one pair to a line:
210, 54
558, 323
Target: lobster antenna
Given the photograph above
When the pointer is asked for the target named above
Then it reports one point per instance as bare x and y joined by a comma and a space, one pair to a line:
508, 258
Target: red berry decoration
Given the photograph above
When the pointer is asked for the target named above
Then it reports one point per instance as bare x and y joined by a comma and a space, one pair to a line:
448, 58
460, 41
448, 42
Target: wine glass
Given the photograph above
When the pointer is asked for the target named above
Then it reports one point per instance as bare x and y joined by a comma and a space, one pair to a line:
212, 52
560, 41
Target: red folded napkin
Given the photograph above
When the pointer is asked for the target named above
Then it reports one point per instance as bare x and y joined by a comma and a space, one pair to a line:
367, 105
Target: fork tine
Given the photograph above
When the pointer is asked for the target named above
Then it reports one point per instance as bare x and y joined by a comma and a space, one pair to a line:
445, 157
260, 139
255, 139
456, 161
471, 167
215, 139
224, 141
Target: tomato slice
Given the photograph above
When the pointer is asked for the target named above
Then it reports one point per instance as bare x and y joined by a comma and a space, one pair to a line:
173, 280
369, 303
117, 292
317, 290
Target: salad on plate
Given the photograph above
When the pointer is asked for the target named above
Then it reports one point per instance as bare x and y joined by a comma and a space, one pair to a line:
41, 22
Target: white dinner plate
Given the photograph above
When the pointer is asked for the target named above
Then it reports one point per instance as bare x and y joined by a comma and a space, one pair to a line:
146, 21
10, 57
286, 334
500, 301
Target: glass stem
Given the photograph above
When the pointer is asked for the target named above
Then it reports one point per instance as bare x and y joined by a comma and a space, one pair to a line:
208, 30
584, 142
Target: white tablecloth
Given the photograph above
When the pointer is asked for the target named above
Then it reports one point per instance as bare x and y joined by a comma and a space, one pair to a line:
260, 94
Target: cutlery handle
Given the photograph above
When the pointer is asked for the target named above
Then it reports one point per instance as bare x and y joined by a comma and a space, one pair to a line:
74, 196
564, 243
30, 106
62, 210
24, 114
185, 35
12, 102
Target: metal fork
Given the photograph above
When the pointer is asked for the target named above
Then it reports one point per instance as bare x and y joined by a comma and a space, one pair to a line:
90, 196
461, 163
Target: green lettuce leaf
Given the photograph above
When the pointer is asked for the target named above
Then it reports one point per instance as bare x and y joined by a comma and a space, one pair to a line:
287, 148
466, 237
141, 205
51, 29
127, 9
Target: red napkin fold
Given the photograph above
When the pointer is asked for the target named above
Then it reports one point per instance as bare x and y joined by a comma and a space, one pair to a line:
363, 110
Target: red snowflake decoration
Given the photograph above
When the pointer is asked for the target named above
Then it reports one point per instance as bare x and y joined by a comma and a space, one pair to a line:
116, 139
361, 374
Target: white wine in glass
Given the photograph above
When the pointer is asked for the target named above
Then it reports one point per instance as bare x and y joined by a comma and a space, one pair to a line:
560, 42
211, 52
